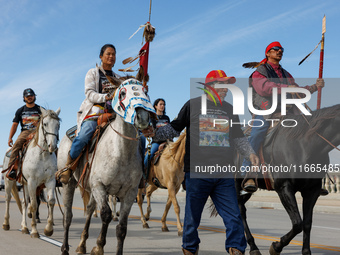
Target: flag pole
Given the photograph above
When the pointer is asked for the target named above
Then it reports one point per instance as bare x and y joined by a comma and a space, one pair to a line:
321, 58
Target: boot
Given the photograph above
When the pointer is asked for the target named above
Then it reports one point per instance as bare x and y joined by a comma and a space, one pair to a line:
64, 174
250, 186
234, 251
186, 252
12, 172
249, 183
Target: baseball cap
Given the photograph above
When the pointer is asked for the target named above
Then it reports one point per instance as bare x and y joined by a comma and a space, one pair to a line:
219, 75
28, 92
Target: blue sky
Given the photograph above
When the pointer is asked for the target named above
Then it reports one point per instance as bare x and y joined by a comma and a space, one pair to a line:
50, 45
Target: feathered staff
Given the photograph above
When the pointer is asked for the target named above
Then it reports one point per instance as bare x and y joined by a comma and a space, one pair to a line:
143, 55
322, 42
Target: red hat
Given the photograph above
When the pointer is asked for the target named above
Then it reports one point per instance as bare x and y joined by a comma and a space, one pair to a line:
273, 44
219, 75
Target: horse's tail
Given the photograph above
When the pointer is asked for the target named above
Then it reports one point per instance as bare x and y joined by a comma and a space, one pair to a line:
86, 197
41, 195
16, 196
212, 209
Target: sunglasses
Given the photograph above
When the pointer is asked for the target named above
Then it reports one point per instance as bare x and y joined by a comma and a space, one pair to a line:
277, 48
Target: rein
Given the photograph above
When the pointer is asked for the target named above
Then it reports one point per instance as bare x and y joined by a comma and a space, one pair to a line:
325, 139
126, 137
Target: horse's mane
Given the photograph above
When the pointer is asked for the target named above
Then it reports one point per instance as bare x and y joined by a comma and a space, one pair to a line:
49, 113
316, 122
174, 149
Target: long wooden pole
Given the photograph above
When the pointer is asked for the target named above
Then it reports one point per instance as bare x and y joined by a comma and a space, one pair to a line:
321, 59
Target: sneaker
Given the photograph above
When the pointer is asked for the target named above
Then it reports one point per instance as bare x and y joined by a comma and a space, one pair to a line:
186, 252
234, 251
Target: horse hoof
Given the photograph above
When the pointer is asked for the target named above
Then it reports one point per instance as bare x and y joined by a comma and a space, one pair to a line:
64, 251
48, 233
114, 219
97, 251
5, 227
147, 218
255, 252
272, 251
29, 215
38, 220
81, 250
180, 233
165, 229
146, 225
25, 231
35, 235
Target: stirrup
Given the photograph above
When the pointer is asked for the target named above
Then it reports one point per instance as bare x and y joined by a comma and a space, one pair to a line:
59, 172
12, 173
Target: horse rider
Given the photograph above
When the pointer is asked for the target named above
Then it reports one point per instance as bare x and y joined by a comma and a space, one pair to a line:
218, 150
28, 116
95, 104
268, 75
163, 119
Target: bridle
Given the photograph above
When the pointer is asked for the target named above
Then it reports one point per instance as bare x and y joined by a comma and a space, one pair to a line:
45, 133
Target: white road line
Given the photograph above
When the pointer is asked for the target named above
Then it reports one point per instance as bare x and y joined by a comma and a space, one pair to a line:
313, 226
49, 240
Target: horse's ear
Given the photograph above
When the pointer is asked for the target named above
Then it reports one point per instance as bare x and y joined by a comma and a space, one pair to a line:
43, 111
57, 111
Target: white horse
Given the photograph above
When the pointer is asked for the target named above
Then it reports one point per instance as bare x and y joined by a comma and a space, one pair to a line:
116, 166
38, 167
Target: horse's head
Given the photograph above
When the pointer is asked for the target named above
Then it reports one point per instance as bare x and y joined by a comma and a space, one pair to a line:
49, 128
133, 104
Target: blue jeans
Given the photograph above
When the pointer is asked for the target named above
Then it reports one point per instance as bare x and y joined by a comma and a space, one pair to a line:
257, 136
154, 148
85, 134
142, 144
223, 194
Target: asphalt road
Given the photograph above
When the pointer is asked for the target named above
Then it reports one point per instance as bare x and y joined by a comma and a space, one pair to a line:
267, 226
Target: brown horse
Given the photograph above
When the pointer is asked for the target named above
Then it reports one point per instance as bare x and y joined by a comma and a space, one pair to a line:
169, 173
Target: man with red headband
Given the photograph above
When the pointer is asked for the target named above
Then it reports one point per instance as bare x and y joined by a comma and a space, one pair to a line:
210, 145
268, 75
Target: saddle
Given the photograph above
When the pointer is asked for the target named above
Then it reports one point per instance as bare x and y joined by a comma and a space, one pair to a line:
158, 153
271, 132
267, 175
19, 160
152, 162
103, 122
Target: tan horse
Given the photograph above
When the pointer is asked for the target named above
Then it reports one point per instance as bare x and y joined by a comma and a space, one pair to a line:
170, 174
